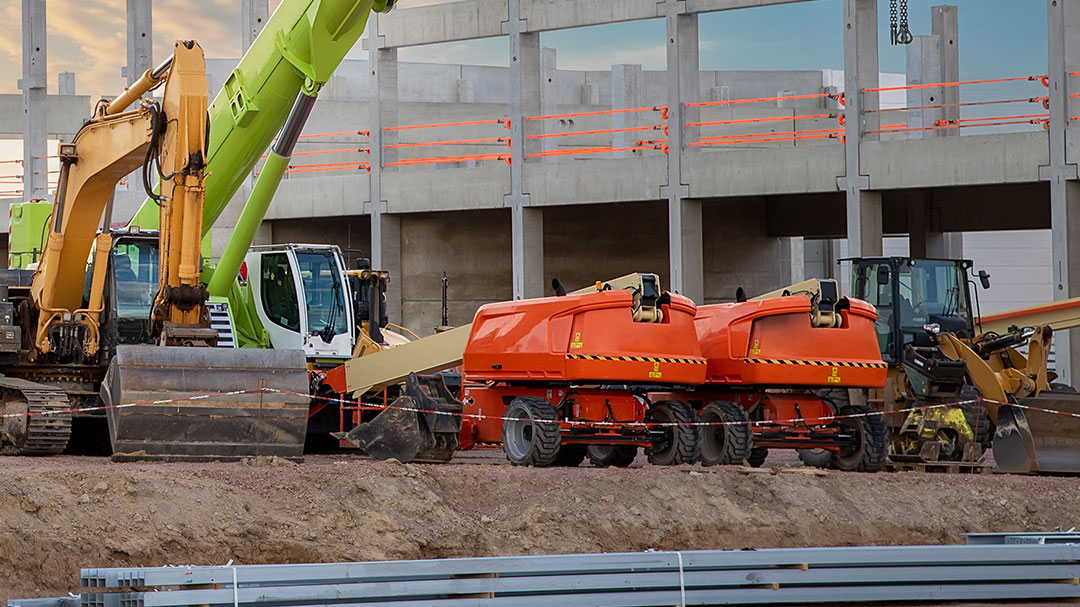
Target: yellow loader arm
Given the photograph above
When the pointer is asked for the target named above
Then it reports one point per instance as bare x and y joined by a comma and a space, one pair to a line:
111, 145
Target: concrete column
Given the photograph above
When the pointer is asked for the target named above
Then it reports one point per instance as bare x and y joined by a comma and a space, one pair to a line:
383, 107
253, 16
625, 93
140, 39
548, 98
527, 224
65, 83
684, 214
925, 238
924, 67
946, 27
860, 72
791, 260
35, 103
1063, 37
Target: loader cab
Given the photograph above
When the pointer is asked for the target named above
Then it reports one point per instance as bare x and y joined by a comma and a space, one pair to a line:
302, 299
910, 294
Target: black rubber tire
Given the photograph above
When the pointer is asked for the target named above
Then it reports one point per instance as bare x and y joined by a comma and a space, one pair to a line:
1058, 386
757, 457
977, 418
681, 441
531, 443
726, 444
619, 456
836, 398
570, 456
872, 440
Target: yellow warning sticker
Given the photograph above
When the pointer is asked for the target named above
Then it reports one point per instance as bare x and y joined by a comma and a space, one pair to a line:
834, 378
655, 373
576, 344
756, 349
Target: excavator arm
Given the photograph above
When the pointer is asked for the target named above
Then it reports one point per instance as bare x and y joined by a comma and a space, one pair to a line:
111, 145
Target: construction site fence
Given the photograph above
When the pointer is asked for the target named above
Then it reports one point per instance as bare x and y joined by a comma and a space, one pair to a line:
770, 576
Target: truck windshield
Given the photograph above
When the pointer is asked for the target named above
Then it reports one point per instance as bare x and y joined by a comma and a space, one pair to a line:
135, 267
932, 291
323, 292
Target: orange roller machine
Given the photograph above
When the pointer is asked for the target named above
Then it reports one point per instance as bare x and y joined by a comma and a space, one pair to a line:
559, 379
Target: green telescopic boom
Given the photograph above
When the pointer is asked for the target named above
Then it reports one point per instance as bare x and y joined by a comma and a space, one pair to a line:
302, 44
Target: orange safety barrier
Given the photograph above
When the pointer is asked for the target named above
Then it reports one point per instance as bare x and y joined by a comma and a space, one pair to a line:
965, 104
19, 161
757, 120
656, 108
338, 134
955, 126
796, 133
987, 119
763, 99
575, 152
438, 160
359, 165
505, 121
505, 140
328, 164
765, 139
340, 151
1042, 78
658, 127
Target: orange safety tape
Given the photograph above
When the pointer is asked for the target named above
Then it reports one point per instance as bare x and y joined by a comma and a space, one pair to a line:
365, 166
966, 104
505, 140
754, 120
766, 139
655, 108
761, 99
958, 83
329, 164
954, 126
313, 135
711, 137
579, 151
962, 120
19, 161
658, 127
432, 126
440, 159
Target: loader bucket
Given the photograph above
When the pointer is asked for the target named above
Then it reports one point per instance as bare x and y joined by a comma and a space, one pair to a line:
420, 426
1028, 442
256, 423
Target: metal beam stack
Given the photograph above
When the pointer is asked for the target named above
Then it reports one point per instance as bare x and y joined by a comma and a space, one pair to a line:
745, 577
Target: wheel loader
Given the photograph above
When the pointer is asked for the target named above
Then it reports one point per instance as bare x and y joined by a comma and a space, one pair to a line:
940, 352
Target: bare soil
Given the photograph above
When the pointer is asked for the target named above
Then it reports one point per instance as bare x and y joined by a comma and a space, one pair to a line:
63, 513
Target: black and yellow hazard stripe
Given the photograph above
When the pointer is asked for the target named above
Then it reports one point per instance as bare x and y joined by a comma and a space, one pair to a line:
816, 363
641, 359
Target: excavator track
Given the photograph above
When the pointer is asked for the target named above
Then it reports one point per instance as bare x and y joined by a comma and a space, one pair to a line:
36, 427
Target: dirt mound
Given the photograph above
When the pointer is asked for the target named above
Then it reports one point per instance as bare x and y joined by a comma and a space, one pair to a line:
60, 514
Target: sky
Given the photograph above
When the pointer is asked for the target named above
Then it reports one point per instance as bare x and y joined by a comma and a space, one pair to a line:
997, 37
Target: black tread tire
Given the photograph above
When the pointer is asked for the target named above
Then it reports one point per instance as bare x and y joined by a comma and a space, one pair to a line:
543, 438
727, 444
977, 418
570, 456
683, 440
873, 440
836, 398
1058, 386
757, 457
619, 456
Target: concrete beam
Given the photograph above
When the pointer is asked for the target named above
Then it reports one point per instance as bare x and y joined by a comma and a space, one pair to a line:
863, 208
140, 39
469, 19
35, 102
253, 16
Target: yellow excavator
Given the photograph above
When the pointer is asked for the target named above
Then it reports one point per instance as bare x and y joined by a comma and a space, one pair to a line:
941, 352
126, 309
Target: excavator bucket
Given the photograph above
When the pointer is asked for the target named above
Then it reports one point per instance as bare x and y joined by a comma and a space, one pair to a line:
420, 426
162, 411
1031, 441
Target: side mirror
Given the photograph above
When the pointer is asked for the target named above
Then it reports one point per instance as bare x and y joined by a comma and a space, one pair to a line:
984, 279
883, 275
